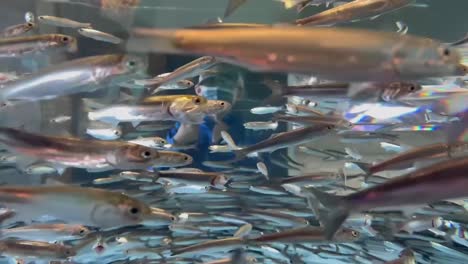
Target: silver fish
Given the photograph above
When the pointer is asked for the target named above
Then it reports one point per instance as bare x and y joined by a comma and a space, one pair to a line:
408, 158
189, 70
62, 22
21, 46
284, 140
437, 182
150, 142
36, 249
92, 207
80, 153
269, 125
80, 75
47, 232
99, 35
17, 30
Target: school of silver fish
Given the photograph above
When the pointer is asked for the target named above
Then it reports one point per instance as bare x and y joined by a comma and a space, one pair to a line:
299, 189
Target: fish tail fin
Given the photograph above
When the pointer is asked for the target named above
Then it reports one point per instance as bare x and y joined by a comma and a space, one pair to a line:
277, 91
229, 140
238, 152
365, 167
338, 213
232, 6
301, 6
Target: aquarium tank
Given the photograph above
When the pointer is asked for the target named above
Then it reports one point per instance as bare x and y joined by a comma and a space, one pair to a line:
233, 131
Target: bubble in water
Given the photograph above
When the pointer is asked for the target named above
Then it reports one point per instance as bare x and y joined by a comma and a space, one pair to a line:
29, 17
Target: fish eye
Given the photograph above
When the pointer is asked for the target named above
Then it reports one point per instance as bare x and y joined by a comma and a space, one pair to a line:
65, 39
186, 158
82, 231
131, 63
446, 52
222, 103
146, 154
412, 88
30, 25
330, 127
197, 100
67, 252
40, 17
134, 210
117, 132
354, 233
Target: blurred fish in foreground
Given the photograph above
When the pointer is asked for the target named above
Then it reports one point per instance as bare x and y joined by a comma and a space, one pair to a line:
333, 54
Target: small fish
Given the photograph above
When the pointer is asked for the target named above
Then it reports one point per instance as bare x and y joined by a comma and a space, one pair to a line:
188, 109
151, 142
187, 71
264, 110
302, 109
262, 168
8, 159
40, 169
309, 234
87, 154
445, 180
21, 46
178, 85
62, 22
104, 131
420, 224
407, 159
213, 179
172, 159
312, 120
60, 119
283, 140
356, 92
269, 125
220, 148
47, 232
99, 35
17, 30
108, 180
91, 207
36, 249
353, 11
186, 189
